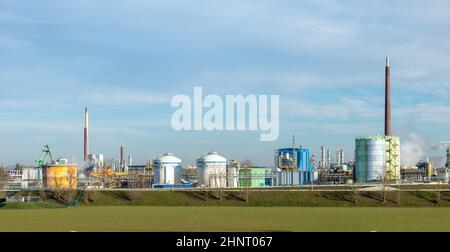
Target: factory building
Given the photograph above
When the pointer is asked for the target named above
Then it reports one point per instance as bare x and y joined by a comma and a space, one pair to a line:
336, 176
423, 172
294, 167
441, 175
167, 169
212, 170
24, 178
95, 163
412, 174
139, 176
255, 177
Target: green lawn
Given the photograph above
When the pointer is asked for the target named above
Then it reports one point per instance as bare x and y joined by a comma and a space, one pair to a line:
153, 218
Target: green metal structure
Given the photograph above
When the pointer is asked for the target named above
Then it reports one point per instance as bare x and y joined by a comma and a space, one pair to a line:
77, 201
45, 157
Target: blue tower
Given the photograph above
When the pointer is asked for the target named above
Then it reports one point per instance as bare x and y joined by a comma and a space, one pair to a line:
305, 172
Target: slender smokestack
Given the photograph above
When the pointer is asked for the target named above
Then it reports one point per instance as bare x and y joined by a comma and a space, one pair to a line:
121, 158
387, 108
86, 132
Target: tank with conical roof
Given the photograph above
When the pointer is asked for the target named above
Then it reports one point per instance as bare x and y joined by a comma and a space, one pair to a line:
167, 169
212, 169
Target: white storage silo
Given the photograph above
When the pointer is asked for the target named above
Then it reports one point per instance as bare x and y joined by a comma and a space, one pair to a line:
167, 169
212, 170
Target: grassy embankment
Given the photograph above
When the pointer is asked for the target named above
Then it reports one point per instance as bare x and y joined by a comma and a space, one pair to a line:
250, 199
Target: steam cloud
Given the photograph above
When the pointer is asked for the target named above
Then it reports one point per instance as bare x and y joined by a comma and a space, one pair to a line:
412, 150
441, 145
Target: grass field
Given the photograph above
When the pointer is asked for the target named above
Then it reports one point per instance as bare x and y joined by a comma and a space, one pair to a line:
151, 218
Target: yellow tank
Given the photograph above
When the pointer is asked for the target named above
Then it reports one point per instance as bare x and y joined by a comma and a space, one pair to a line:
62, 176
428, 169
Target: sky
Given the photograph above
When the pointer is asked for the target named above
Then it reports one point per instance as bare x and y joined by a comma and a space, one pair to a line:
125, 60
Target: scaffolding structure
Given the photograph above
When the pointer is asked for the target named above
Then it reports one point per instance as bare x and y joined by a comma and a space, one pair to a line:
392, 158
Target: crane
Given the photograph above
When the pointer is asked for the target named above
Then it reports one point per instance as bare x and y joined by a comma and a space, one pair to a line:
45, 156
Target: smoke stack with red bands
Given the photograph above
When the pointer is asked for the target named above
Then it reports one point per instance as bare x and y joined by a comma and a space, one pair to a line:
387, 108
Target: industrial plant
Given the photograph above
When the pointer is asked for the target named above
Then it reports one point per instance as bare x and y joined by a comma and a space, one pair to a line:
376, 160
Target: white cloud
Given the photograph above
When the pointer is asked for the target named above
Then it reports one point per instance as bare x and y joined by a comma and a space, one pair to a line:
432, 113
125, 97
338, 110
53, 126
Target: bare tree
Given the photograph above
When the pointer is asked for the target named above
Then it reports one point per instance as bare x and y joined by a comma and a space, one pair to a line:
246, 163
356, 192
438, 193
133, 183
71, 191
383, 184
71, 178
42, 194
57, 188
246, 194
399, 193
3, 177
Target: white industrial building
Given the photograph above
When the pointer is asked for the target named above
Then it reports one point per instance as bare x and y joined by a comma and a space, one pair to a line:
25, 178
95, 162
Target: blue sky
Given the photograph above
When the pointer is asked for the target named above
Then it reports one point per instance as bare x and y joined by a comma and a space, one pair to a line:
125, 60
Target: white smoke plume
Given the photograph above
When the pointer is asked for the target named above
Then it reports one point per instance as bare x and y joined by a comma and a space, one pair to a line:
441, 145
412, 149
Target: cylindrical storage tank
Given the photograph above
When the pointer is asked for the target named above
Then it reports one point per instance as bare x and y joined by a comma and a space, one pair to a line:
370, 158
233, 176
212, 170
167, 169
60, 176
428, 169
376, 150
